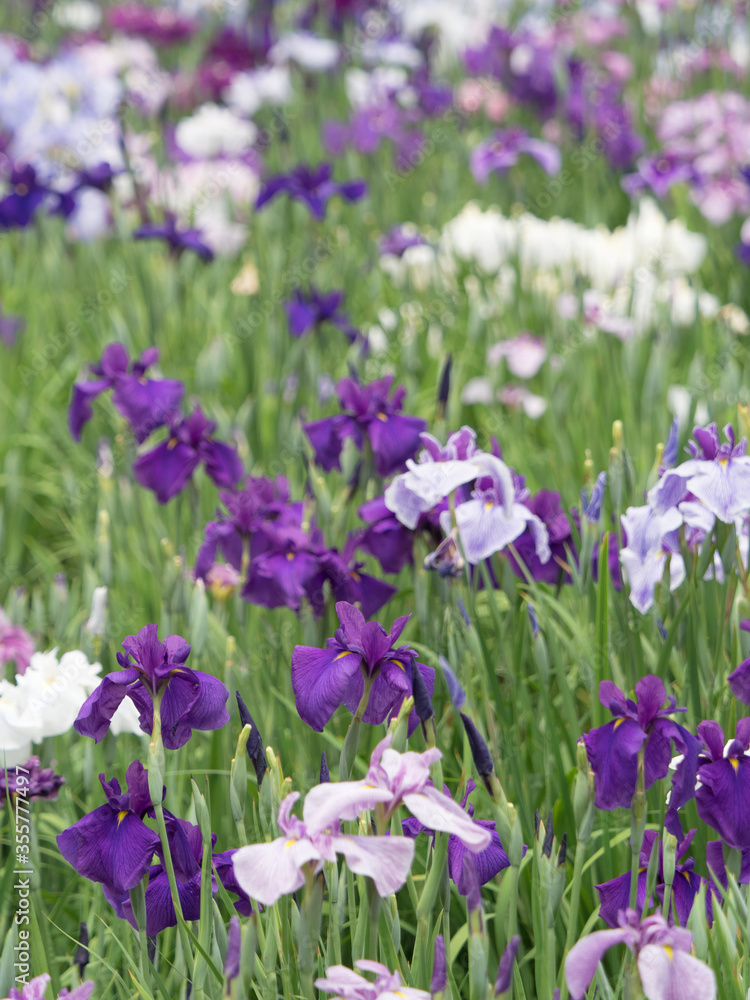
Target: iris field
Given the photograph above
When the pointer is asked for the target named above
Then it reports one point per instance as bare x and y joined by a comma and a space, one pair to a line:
374, 499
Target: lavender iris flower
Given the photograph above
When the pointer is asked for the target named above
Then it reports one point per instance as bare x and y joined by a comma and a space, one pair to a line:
394, 779
371, 412
31, 780
547, 507
399, 239
348, 985
145, 403
652, 540
268, 871
659, 173
36, 989
311, 185
154, 673
160, 26
723, 789
488, 862
615, 894
718, 476
167, 469
663, 958
613, 749
503, 150
309, 311
493, 518
177, 239
439, 471
112, 844
323, 679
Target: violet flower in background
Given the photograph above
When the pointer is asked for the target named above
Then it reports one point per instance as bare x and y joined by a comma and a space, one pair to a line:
399, 239
158, 25
145, 403
665, 965
613, 748
547, 507
188, 699
36, 989
502, 151
10, 327
268, 871
311, 185
658, 174
112, 844
30, 781
177, 239
16, 645
350, 584
308, 311
349, 985
18, 208
323, 679
373, 413
167, 469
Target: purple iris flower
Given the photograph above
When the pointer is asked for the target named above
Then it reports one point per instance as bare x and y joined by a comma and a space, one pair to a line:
488, 862
309, 311
186, 849
498, 154
613, 749
323, 679
385, 538
177, 239
112, 844
167, 468
155, 672
10, 327
371, 412
659, 173
18, 208
349, 985
723, 789
311, 185
665, 965
268, 871
350, 584
546, 506
287, 570
248, 509
615, 894
160, 26
30, 780
399, 239
145, 403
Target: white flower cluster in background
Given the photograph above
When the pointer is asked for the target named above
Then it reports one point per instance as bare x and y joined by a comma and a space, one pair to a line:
45, 701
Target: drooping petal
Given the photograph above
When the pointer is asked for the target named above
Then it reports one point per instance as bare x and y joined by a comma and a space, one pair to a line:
438, 812
96, 712
320, 679
674, 975
387, 860
488, 862
585, 955
340, 800
166, 469
80, 412
612, 750
267, 872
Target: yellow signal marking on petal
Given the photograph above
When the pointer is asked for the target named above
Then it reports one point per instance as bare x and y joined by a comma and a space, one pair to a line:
687, 876
121, 816
172, 443
668, 949
734, 762
345, 653
290, 556
383, 417
618, 722
289, 843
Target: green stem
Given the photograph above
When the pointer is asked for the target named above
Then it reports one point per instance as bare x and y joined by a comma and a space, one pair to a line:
181, 924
